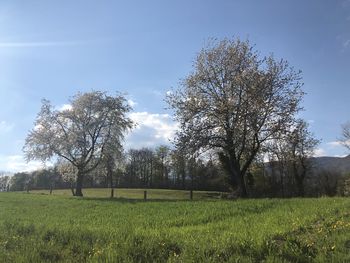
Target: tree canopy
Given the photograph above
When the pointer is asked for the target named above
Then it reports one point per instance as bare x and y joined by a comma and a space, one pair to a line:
234, 101
82, 133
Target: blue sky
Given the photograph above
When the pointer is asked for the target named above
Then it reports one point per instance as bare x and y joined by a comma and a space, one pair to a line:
52, 49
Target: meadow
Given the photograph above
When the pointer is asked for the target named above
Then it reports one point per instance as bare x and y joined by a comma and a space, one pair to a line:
38, 227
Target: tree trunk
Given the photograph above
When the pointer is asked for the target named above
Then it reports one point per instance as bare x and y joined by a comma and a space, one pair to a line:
237, 181
110, 175
72, 188
79, 186
183, 176
282, 185
236, 176
242, 188
299, 178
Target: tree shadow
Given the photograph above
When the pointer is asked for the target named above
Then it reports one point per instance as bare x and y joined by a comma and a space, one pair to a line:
135, 200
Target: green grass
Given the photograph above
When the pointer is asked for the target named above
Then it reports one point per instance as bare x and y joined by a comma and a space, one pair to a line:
153, 194
60, 228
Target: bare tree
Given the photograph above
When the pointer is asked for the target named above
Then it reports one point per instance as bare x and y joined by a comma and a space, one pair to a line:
328, 182
79, 133
178, 163
234, 102
141, 167
111, 166
290, 152
278, 153
163, 155
345, 139
302, 145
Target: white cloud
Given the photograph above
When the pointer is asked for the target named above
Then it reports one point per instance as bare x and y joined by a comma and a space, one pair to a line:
320, 152
5, 127
132, 103
332, 149
335, 144
16, 163
151, 129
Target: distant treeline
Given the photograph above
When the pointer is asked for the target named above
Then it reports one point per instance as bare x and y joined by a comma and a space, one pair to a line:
168, 169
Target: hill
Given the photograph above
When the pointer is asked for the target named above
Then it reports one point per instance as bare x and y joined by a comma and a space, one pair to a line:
332, 164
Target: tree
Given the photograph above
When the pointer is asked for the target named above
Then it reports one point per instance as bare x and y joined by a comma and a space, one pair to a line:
345, 139
290, 152
67, 171
112, 166
21, 182
302, 145
234, 102
163, 155
178, 164
44, 178
80, 133
328, 182
4, 182
279, 154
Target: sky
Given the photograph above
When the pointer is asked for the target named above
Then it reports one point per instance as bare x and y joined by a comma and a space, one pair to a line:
54, 49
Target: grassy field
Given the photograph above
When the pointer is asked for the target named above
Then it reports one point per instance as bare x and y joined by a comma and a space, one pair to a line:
38, 227
152, 194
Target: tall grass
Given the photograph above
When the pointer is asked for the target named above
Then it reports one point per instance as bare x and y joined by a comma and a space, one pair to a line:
43, 228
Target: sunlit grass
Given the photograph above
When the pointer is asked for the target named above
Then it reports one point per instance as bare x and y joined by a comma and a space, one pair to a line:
152, 194
37, 227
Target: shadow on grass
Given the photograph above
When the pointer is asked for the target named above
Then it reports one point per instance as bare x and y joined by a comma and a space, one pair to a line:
213, 196
137, 200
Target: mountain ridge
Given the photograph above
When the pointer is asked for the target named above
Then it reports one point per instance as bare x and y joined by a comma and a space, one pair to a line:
329, 163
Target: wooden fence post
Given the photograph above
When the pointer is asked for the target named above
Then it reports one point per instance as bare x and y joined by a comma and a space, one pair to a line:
145, 195
191, 194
